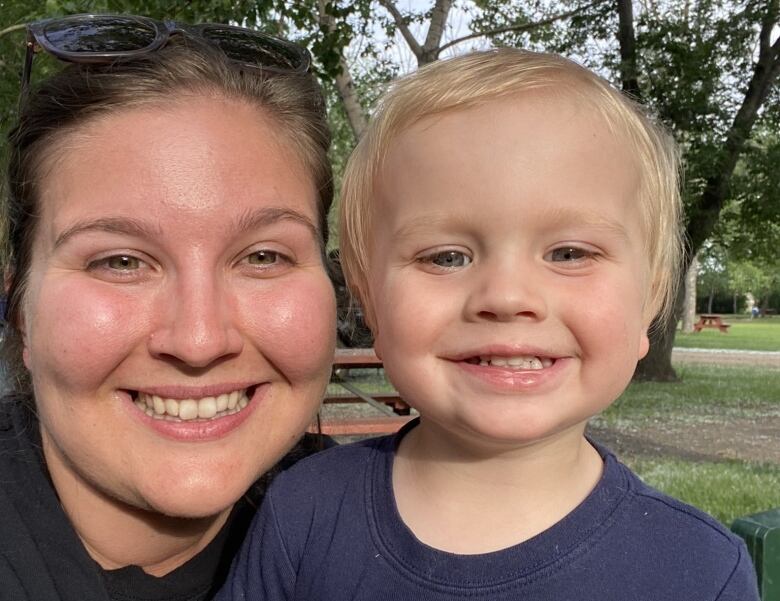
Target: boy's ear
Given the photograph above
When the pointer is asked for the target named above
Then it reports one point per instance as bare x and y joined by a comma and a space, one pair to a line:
644, 343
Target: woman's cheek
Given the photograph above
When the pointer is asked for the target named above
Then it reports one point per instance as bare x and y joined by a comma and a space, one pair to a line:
83, 329
295, 324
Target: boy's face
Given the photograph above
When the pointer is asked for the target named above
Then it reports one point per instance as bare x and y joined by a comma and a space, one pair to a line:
508, 270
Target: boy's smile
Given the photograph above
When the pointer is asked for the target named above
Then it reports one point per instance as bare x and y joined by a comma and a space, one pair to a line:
508, 268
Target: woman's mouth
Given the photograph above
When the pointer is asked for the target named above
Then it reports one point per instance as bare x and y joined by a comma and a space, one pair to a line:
518, 362
205, 408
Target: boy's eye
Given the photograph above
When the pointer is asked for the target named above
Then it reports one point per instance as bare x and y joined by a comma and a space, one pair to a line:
448, 259
263, 257
568, 254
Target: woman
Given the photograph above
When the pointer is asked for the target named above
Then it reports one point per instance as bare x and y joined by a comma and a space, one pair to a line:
170, 321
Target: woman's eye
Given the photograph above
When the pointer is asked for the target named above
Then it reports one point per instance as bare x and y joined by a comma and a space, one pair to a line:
448, 259
568, 254
263, 257
117, 263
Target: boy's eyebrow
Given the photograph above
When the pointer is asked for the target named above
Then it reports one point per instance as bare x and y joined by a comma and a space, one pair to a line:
135, 227
554, 217
567, 216
430, 222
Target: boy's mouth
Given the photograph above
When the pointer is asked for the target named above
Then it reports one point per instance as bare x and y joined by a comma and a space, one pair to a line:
204, 408
519, 362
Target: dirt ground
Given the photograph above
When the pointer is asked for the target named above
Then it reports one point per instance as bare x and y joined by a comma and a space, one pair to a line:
708, 439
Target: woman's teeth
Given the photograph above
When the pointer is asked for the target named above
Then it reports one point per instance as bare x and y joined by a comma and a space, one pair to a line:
520, 362
189, 409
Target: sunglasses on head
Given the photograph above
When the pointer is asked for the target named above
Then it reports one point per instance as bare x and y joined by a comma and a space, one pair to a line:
105, 38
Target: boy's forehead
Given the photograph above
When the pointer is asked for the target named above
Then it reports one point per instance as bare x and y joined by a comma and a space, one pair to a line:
565, 138
457, 131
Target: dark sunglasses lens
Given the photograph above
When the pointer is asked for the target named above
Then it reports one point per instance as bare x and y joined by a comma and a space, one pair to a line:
256, 49
111, 34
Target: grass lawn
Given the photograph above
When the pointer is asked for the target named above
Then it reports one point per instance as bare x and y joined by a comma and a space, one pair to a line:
744, 334
718, 389
725, 490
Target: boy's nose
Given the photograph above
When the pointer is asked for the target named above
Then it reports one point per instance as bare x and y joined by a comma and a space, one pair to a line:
506, 292
197, 325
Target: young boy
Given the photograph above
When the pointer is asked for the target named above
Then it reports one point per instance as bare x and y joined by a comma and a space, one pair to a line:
510, 224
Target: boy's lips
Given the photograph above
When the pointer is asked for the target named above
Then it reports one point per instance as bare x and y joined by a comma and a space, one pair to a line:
531, 362
513, 358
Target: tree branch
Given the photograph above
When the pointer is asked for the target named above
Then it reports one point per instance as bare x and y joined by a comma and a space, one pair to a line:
627, 41
344, 84
12, 28
414, 45
765, 73
519, 28
430, 49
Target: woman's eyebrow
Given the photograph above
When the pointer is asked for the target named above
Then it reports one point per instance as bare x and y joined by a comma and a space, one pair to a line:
266, 216
134, 227
114, 225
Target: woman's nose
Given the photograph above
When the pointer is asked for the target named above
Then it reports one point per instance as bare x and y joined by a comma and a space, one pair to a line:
197, 326
507, 291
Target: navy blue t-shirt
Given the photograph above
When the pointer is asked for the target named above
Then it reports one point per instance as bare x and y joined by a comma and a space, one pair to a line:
329, 530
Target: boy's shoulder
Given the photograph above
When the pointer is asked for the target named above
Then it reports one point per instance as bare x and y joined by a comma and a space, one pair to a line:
679, 538
334, 468
659, 510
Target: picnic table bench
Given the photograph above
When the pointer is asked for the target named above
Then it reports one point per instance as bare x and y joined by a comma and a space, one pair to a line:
391, 411
711, 321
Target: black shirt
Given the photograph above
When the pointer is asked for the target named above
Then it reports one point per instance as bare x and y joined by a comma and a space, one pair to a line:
41, 556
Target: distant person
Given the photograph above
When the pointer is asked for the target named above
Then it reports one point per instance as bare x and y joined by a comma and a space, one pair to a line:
171, 325
510, 223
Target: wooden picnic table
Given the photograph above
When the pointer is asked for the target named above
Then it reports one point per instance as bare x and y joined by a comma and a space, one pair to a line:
711, 321
391, 410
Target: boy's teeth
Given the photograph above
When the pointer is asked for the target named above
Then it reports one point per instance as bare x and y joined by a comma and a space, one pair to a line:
520, 362
189, 409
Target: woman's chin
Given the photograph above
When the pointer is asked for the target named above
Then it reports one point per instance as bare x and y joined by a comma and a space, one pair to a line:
196, 498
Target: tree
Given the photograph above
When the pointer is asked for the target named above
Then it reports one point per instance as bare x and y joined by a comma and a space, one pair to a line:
708, 68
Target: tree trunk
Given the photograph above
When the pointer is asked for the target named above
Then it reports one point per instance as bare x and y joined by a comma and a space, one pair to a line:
735, 304
344, 84
657, 364
357, 118
710, 299
627, 42
689, 307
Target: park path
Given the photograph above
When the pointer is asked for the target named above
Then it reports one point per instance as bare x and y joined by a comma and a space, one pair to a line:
727, 356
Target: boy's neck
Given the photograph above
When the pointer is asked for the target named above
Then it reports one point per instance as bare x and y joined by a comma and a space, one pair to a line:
466, 499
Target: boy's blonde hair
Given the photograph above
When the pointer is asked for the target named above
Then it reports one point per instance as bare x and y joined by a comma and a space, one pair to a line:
479, 78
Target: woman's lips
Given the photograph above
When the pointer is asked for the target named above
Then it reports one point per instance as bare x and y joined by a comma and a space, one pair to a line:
197, 424
208, 407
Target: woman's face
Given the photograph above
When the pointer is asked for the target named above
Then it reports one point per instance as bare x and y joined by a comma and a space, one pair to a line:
178, 322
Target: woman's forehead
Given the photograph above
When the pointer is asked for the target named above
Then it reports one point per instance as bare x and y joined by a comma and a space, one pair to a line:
191, 160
